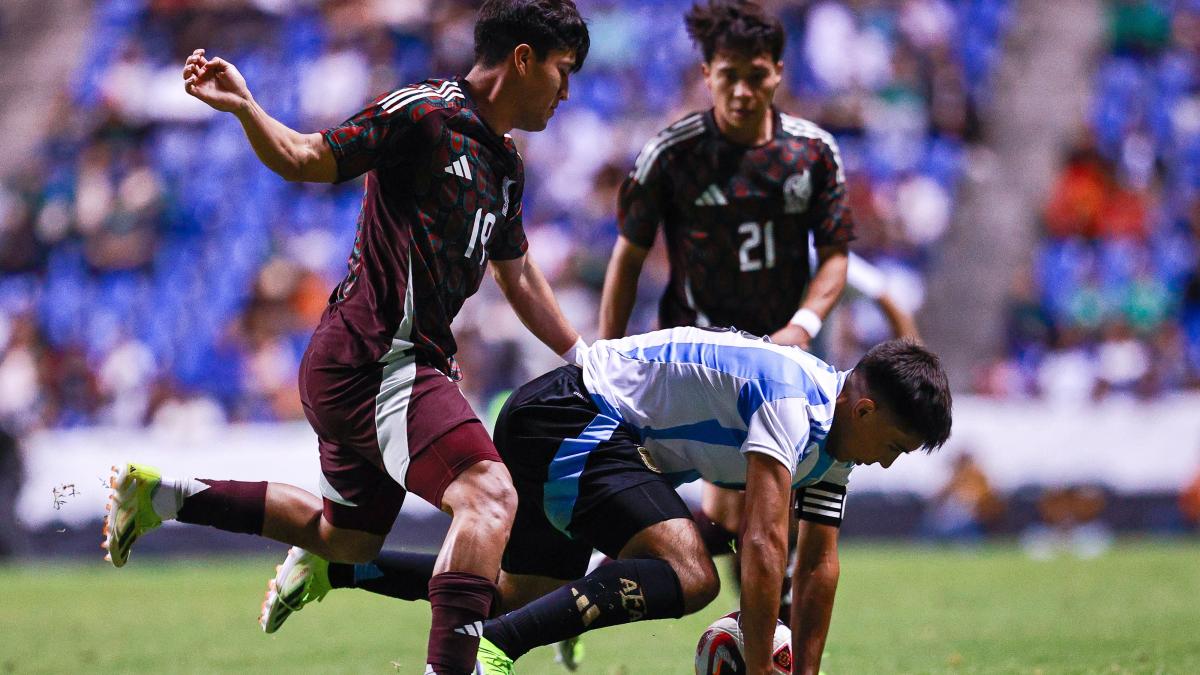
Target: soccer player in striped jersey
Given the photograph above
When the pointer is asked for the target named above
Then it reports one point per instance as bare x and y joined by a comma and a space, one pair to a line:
442, 197
739, 191
596, 452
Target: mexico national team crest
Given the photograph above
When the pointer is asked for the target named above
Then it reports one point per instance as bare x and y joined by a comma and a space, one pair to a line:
797, 190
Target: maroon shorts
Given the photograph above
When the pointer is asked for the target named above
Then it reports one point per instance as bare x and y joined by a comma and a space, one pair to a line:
384, 430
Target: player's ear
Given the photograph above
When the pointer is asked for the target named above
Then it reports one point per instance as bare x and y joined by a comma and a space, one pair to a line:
864, 407
523, 57
704, 69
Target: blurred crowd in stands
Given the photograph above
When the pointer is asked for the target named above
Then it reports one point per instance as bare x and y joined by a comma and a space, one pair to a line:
1110, 300
1053, 518
153, 272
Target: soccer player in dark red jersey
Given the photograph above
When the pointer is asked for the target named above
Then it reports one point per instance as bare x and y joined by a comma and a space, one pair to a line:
442, 197
738, 191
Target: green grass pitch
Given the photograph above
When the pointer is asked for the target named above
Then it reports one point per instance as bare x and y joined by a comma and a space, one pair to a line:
902, 609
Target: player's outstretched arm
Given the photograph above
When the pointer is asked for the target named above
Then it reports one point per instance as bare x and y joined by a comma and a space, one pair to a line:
814, 584
903, 324
620, 287
870, 281
764, 555
289, 153
527, 291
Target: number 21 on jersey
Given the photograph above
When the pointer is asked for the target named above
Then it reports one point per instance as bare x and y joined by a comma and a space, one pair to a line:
758, 246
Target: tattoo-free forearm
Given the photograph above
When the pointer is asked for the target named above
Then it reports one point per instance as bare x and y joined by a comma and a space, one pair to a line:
620, 288
287, 152
532, 299
764, 555
813, 590
827, 284
764, 559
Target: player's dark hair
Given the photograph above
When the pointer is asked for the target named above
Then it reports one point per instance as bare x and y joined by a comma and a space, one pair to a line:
740, 26
545, 25
912, 384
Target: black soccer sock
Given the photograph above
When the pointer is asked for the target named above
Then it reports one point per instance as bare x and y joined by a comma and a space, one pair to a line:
617, 593
396, 574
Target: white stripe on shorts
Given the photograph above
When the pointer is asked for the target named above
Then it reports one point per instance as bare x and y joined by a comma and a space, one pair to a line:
395, 392
331, 493
391, 415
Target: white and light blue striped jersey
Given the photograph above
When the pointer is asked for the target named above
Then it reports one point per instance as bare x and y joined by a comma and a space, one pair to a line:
701, 398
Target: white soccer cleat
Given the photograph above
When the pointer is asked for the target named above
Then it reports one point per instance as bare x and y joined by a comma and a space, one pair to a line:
302, 578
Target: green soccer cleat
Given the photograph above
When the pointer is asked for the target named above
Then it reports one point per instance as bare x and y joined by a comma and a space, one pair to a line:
569, 652
491, 660
302, 578
130, 512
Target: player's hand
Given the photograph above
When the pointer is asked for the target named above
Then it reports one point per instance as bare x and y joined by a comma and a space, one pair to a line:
216, 82
792, 334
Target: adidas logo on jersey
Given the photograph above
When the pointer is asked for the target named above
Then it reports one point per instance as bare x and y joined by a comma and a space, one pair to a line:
712, 197
459, 167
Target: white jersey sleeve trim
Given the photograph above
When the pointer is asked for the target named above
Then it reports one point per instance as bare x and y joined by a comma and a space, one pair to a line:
802, 128
688, 127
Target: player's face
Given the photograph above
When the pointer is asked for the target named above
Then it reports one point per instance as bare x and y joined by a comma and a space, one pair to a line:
869, 434
546, 84
742, 87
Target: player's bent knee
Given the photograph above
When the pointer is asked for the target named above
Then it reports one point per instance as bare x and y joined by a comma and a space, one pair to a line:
700, 585
484, 492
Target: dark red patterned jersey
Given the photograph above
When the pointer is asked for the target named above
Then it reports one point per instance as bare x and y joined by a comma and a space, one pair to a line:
736, 219
442, 196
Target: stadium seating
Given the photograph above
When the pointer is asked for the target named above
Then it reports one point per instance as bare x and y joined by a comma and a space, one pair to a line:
174, 270
1117, 272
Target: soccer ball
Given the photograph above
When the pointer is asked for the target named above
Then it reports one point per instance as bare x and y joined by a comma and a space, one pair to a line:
720, 648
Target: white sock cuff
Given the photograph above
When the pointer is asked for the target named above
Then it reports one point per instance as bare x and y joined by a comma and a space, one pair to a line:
169, 496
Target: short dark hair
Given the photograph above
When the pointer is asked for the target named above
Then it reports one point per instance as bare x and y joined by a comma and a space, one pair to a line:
912, 384
734, 25
545, 25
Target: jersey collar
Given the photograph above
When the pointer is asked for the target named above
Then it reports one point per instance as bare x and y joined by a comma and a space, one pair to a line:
468, 102
710, 124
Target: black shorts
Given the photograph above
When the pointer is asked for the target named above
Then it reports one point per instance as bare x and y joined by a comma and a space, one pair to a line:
580, 478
